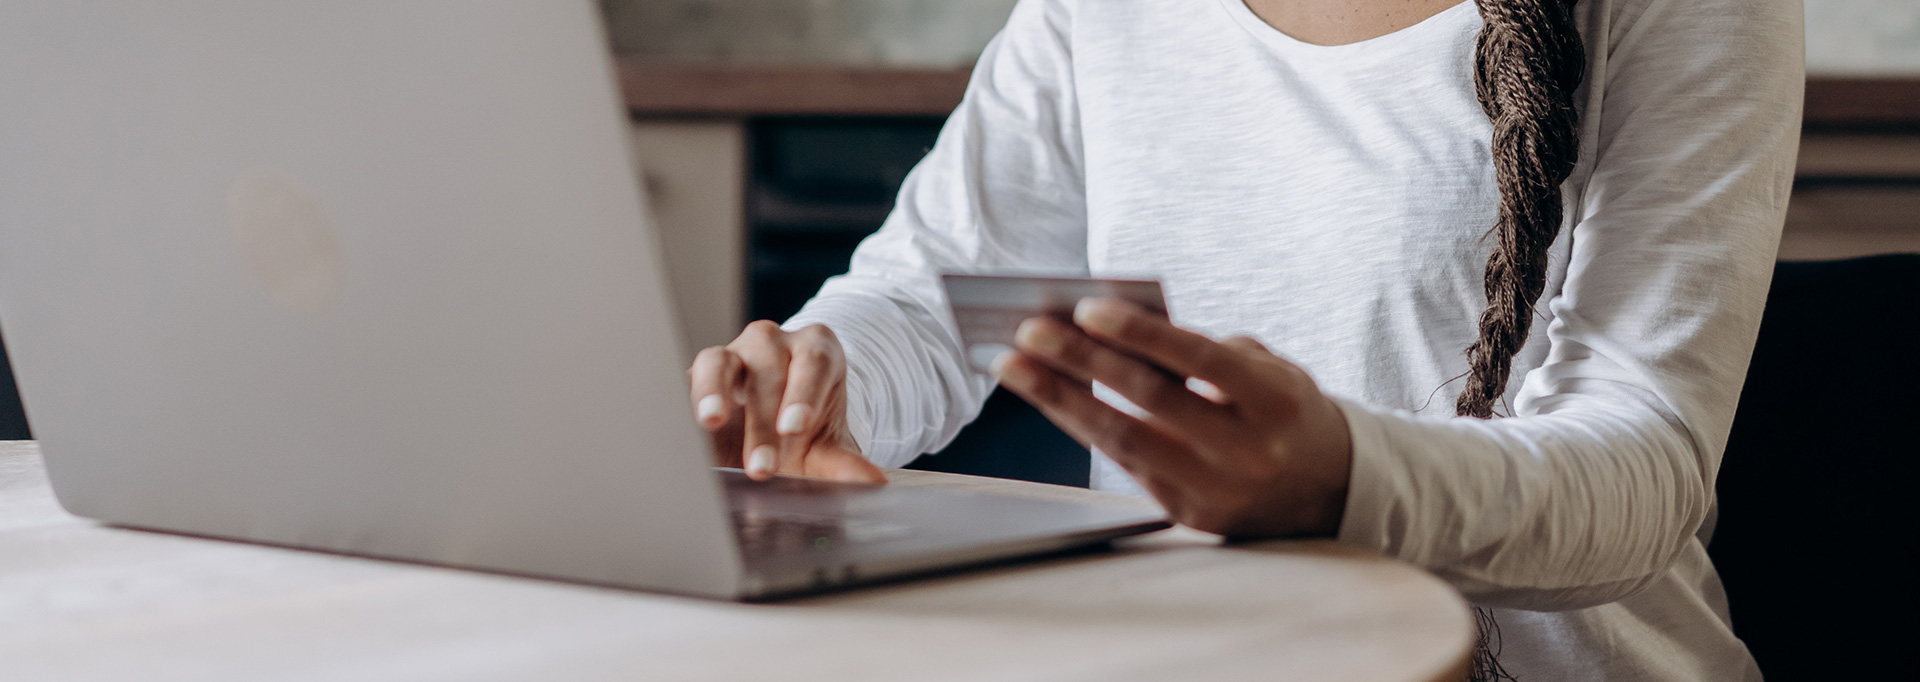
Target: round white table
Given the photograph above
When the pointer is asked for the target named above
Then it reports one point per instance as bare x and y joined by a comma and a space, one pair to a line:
83, 601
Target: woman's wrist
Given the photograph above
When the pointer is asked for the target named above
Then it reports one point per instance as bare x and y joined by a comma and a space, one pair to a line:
1330, 471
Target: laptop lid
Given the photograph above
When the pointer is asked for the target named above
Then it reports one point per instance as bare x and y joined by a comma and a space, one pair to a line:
364, 276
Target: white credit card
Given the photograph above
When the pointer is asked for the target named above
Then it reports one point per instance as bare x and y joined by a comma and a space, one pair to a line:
989, 308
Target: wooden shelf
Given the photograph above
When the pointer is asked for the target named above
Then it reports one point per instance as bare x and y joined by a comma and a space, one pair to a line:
1863, 103
1828, 156
1858, 180
655, 88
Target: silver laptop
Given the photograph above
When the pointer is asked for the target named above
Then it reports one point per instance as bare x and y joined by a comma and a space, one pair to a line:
373, 277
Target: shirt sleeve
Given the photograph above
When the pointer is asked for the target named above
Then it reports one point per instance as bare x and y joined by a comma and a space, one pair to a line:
1606, 471
1002, 189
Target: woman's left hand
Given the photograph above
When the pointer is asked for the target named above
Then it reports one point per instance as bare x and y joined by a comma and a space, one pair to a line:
1256, 451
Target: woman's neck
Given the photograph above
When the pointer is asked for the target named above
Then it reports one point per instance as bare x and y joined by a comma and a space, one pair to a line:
1338, 22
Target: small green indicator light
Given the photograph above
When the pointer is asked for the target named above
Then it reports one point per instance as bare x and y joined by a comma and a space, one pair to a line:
820, 544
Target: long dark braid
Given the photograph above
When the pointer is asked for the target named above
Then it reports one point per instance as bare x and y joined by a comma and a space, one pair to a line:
1527, 64
1526, 67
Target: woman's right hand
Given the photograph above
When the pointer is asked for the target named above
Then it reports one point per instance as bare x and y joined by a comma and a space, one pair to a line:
776, 401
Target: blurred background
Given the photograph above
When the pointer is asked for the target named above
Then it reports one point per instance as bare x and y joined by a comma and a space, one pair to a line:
774, 134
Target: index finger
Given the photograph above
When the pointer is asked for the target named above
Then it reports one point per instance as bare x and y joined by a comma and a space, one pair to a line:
714, 382
1130, 328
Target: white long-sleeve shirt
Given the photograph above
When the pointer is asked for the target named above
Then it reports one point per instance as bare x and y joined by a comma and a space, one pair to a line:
1333, 202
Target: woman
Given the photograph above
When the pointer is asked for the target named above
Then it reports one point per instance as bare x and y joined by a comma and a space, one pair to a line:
1559, 218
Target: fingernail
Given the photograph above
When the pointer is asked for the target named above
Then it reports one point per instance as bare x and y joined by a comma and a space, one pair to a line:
999, 361
709, 408
792, 420
1206, 389
1097, 314
1010, 373
760, 461
1036, 336
1027, 333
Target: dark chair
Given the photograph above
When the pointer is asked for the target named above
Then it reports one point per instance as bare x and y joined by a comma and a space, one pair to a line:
13, 422
1816, 539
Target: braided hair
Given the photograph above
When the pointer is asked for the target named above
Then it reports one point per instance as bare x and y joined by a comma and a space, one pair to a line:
1527, 64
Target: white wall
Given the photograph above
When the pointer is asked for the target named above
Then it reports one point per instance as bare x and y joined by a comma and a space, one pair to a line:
1863, 37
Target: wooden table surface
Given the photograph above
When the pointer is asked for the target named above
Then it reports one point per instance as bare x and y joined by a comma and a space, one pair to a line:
83, 601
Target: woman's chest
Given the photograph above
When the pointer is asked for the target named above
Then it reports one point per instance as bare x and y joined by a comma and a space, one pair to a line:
1233, 171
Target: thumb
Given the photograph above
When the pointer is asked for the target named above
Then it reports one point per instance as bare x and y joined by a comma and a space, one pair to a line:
841, 464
